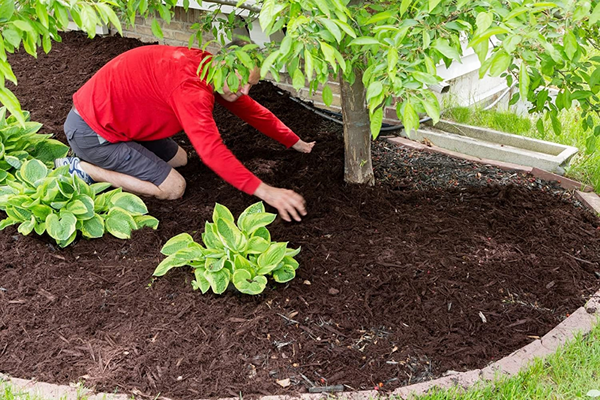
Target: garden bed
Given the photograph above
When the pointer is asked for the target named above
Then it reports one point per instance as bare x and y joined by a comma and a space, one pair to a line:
443, 265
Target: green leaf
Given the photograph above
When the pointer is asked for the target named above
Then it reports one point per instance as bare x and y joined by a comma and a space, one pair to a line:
32, 171
410, 118
8, 222
484, 21
595, 16
284, 274
327, 95
169, 263
266, 65
382, 16
130, 203
263, 233
323, 6
444, 47
24, 25
256, 220
257, 245
500, 63
215, 264
112, 17
12, 36
374, 89
332, 28
523, 81
93, 227
61, 228
292, 252
364, 40
145, 221
272, 256
298, 79
200, 282
27, 226
222, 212
210, 238
12, 104
176, 243
241, 262
433, 4
218, 280
244, 282
404, 6
99, 187
376, 122
571, 46
119, 223
7, 9
156, 30
230, 235
432, 107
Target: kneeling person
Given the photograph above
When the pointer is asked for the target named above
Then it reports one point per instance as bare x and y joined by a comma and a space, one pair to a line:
123, 118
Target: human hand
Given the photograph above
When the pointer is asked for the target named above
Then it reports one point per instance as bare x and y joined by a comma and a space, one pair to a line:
303, 147
287, 202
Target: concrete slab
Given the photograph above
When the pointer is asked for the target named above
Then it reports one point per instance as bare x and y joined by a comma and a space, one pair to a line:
489, 144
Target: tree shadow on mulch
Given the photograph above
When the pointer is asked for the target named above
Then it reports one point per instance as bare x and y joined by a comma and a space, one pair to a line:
392, 285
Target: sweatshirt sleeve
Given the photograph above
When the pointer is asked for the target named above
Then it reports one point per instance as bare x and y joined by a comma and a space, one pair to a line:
193, 105
260, 118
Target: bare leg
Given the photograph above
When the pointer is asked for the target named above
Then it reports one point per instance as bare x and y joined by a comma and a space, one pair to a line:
180, 159
171, 189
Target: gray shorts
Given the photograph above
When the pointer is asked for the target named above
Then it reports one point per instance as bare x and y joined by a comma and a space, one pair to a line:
144, 160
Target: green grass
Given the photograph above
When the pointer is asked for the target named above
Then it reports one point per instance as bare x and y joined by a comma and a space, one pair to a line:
583, 167
568, 374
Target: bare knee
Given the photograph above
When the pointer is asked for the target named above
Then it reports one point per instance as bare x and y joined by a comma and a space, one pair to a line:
180, 159
173, 187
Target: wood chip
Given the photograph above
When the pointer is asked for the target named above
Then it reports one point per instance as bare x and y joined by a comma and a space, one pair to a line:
284, 382
483, 318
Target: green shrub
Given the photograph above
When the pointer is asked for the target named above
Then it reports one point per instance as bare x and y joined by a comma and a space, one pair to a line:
60, 204
242, 254
19, 143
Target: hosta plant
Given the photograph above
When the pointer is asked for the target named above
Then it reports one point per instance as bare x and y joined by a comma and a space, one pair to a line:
19, 143
60, 204
240, 253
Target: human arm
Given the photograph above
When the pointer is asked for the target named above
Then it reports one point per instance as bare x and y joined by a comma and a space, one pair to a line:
260, 118
193, 107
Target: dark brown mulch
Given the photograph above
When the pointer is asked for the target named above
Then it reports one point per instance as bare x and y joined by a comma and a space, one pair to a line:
394, 285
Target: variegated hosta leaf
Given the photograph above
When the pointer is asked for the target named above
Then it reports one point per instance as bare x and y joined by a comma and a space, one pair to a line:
176, 243
222, 212
284, 274
167, 264
230, 235
244, 282
218, 280
130, 203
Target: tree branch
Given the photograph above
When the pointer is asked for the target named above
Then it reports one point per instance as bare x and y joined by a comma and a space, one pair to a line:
233, 3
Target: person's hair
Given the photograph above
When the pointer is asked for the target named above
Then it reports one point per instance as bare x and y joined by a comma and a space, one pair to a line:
239, 42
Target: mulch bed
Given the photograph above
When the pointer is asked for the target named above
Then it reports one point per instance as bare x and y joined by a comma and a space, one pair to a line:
443, 265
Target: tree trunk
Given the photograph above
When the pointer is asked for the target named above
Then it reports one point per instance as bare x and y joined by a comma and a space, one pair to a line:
357, 134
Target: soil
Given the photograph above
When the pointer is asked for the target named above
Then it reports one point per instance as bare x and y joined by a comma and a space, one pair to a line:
443, 265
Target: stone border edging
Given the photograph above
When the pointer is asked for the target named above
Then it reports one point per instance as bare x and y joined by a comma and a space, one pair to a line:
581, 321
